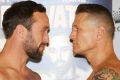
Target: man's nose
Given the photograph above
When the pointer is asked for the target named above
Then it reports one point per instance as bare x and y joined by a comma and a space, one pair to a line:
46, 39
72, 36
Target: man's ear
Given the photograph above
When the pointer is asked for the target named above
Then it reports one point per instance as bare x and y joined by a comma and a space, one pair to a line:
20, 31
100, 33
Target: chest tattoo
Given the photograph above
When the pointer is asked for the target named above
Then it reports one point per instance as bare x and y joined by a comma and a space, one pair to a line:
106, 74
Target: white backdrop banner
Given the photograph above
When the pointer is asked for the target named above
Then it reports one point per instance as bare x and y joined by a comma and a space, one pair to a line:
58, 62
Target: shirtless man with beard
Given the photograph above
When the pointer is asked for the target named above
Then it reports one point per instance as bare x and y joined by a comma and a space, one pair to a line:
26, 27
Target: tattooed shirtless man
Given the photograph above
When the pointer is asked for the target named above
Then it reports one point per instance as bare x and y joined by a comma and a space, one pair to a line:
92, 36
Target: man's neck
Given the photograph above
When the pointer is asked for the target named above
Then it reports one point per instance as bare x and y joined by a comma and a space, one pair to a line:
96, 60
101, 55
13, 56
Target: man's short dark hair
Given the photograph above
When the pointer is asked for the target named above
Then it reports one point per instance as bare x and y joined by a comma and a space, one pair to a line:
20, 13
101, 12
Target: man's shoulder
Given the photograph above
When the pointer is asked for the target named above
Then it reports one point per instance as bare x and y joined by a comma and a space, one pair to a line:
106, 73
35, 74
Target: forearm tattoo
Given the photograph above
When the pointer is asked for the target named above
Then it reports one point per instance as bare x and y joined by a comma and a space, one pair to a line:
106, 74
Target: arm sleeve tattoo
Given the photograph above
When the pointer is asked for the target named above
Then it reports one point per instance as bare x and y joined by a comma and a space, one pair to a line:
106, 74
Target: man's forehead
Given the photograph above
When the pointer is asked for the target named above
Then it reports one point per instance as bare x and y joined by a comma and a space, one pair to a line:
84, 17
41, 18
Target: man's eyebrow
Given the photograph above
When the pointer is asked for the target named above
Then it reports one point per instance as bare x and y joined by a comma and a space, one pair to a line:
105, 74
47, 27
74, 25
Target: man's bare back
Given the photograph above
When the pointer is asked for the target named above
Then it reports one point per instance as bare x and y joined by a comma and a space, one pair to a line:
12, 74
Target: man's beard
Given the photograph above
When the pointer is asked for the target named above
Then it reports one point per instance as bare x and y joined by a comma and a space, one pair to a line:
32, 50
34, 54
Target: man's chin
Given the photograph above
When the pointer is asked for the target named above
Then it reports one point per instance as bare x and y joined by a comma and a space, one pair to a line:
36, 59
77, 54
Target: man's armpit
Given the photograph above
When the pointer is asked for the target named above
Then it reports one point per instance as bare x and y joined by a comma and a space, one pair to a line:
106, 74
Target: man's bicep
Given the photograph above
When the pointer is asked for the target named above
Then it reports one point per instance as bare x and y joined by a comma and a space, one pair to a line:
106, 74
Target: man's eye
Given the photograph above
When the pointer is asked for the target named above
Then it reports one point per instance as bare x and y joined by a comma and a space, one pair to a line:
74, 29
78, 29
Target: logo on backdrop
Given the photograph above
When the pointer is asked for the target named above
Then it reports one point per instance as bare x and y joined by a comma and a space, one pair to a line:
116, 16
118, 28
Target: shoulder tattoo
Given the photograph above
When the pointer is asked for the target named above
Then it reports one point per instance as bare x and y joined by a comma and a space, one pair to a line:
106, 74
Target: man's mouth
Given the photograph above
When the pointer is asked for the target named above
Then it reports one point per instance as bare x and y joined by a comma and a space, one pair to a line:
74, 45
41, 47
